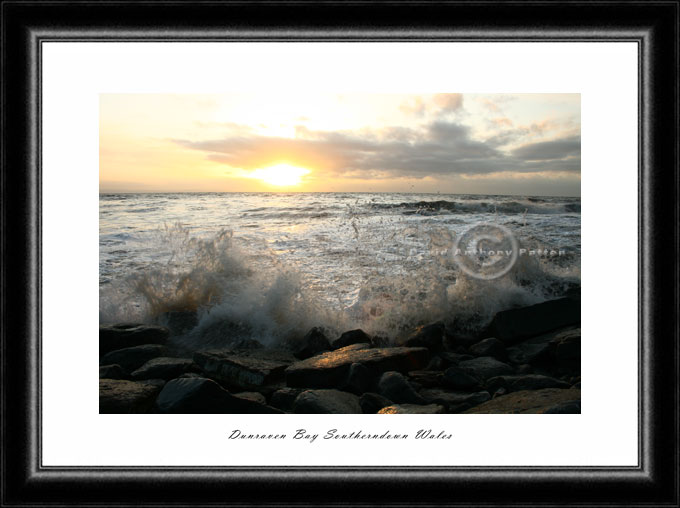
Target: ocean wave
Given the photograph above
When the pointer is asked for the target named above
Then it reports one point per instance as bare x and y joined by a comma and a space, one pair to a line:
506, 207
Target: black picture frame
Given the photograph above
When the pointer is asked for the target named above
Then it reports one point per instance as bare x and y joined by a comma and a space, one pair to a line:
26, 25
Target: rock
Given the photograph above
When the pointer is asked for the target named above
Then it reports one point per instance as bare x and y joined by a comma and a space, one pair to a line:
313, 343
525, 368
253, 396
394, 386
165, 368
430, 336
113, 372
179, 322
534, 401
577, 386
454, 401
526, 382
132, 358
511, 326
204, 396
450, 359
380, 341
351, 337
360, 379
244, 369
456, 378
330, 370
412, 409
490, 347
567, 348
354, 347
326, 402
371, 402
121, 336
436, 363
118, 396
485, 367
564, 408
284, 398
160, 383
227, 334
426, 378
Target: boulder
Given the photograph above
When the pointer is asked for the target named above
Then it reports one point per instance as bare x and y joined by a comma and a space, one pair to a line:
351, 337
395, 387
526, 382
436, 363
567, 348
204, 396
165, 368
485, 367
459, 379
244, 369
490, 347
412, 409
284, 398
354, 347
330, 370
534, 401
113, 372
121, 336
371, 402
132, 358
253, 396
426, 378
118, 396
431, 336
564, 408
313, 343
360, 379
512, 326
454, 401
326, 402
450, 359
179, 322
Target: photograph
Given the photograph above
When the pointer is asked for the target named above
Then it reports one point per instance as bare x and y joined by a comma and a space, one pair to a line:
340, 253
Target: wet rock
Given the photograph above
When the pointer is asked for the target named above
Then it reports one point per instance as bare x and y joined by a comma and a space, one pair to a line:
113, 372
490, 347
449, 359
454, 401
132, 358
512, 326
118, 396
326, 402
564, 408
436, 363
354, 347
121, 336
244, 369
351, 337
567, 348
204, 396
160, 383
284, 398
430, 336
371, 402
380, 341
330, 370
227, 334
426, 378
525, 368
165, 368
395, 387
485, 367
526, 382
252, 396
534, 401
457, 378
411, 409
313, 343
179, 322
360, 379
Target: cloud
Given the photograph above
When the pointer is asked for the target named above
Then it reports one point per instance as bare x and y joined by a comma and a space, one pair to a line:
448, 101
435, 149
414, 106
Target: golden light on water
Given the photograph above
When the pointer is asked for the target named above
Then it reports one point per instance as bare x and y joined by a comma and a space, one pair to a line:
281, 175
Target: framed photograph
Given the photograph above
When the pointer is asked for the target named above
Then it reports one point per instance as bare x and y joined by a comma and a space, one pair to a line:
237, 236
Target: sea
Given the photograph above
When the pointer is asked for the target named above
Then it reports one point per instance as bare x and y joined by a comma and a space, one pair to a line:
277, 264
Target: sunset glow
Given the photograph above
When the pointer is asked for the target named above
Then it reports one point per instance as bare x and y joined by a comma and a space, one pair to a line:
281, 175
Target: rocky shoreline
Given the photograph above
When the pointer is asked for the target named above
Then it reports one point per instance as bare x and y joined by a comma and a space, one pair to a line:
527, 360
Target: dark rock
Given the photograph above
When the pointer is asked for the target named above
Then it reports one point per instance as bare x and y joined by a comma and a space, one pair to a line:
313, 343
160, 383
412, 409
371, 402
511, 326
354, 347
450, 359
564, 408
360, 379
456, 378
226, 334
330, 370
117, 396
179, 322
121, 336
380, 341
490, 347
244, 369
485, 367
430, 336
567, 348
113, 372
527, 382
253, 396
525, 368
132, 358
395, 387
499, 392
426, 378
204, 396
351, 337
454, 401
165, 368
284, 398
326, 402
577, 386
534, 401
436, 363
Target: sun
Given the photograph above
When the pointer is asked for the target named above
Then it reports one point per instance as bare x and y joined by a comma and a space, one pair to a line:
281, 175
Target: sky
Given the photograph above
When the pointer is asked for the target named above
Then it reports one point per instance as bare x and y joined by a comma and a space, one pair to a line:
516, 144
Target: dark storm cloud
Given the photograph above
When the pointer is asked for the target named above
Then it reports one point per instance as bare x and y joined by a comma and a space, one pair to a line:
441, 148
